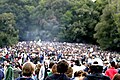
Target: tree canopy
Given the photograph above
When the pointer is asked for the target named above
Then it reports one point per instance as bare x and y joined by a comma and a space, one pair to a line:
107, 30
61, 20
8, 34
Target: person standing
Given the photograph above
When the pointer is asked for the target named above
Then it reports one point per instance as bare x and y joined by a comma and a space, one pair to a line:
116, 77
111, 71
27, 71
1, 72
42, 72
61, 73
9, 73
96, 69
76, 67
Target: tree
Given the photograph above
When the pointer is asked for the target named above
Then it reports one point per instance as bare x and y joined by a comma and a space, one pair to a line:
21, 10
46, 18
100, 5
107, 30
8, 33
79, 21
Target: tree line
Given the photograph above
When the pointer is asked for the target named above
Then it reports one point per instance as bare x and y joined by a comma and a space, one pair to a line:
61, 20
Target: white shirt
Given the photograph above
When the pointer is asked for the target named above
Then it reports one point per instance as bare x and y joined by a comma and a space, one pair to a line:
42, 73
75, 68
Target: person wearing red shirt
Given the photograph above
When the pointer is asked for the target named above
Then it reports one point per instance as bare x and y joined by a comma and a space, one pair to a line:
111, 71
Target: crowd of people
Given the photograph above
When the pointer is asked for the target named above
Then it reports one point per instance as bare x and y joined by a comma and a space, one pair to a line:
41, 60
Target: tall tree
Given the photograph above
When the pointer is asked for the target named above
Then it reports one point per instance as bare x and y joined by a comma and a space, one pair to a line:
79, 21
107, 30
21, 10
8, 33
47, 18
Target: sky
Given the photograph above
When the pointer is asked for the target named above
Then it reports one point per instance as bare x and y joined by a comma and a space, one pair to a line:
93, 0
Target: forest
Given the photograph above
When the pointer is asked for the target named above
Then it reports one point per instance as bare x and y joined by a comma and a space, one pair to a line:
74, 21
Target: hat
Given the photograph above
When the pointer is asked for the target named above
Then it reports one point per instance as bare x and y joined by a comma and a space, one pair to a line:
106, 62
97, 62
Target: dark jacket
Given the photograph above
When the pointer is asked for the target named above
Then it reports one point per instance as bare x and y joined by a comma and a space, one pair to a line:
22, 78
57, 77
96, 76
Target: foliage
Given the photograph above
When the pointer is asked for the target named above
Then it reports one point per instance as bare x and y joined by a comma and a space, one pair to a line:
61, 20
107, 30
79, 21
47, 18
21, 10
8, 34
